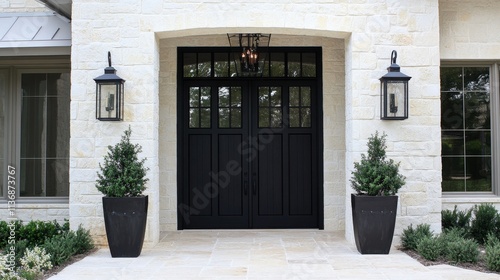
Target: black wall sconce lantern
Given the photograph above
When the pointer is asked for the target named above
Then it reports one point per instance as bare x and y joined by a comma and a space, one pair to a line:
394, 92
250, 57
109, 95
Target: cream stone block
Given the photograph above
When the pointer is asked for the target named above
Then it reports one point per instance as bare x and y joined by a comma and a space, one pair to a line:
413, 198
82, 147
82, 210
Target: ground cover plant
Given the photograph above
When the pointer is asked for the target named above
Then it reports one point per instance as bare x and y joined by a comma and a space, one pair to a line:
32, 250
469, 239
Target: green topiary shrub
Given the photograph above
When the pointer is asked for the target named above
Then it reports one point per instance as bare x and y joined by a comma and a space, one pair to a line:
429, 248
484, 222
463, 251
411, 237
123, 174
374, 174
455, 218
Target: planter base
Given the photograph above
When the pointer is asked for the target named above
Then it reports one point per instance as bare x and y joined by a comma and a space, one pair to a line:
374, 219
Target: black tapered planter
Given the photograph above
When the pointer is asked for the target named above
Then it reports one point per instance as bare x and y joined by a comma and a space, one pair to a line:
374, 218
125, 221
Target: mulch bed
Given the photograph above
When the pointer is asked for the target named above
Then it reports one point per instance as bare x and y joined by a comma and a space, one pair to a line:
479, 266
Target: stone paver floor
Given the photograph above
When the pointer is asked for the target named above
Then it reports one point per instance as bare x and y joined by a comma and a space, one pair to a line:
258, 254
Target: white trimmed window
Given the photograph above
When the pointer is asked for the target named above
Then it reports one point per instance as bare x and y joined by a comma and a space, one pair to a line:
35, 130
466, 129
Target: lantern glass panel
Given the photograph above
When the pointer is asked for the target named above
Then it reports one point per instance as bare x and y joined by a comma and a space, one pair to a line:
108, 100
394, 99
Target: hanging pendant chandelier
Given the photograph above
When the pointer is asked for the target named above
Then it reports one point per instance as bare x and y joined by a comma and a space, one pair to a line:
250, 59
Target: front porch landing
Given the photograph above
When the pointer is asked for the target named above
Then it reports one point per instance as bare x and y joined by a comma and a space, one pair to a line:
258, 254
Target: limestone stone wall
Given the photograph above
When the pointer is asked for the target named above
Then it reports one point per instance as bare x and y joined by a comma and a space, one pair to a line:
21, 6
136, 31
469, 30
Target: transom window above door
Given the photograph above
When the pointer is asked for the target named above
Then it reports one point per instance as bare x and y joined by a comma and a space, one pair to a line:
284, 63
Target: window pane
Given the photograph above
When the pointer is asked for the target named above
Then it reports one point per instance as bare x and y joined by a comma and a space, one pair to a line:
235, 97
306, 117
205, 118
57, 84
264, 117
294, 96
294, 65
477, 78
205, 100
223, 97
34, 84
33, 140
275, 96
453, 174
451, 78
277, 64
234, 66
194, 96
263, 96
305, 96
478, 143
32, 177
236, 118
194, 118
308, 65
451, 110
57, 177
221, 65
57, 134
477, 110
204, 64
224, 118
294, 117
452, 143
276, 117
189, 65
478, 176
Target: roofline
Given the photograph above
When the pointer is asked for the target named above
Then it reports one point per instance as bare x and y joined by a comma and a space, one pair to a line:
55, 8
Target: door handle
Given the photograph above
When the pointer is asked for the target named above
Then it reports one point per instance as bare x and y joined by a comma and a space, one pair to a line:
254, 183
245, 183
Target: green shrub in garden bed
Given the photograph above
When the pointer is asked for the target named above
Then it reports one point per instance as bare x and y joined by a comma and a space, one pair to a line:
463, 251
39, 246
456, 219
429, 248
484, 222
492, 252
411, 237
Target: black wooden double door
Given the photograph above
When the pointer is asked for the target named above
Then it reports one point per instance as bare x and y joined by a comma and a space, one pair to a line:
250, 154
